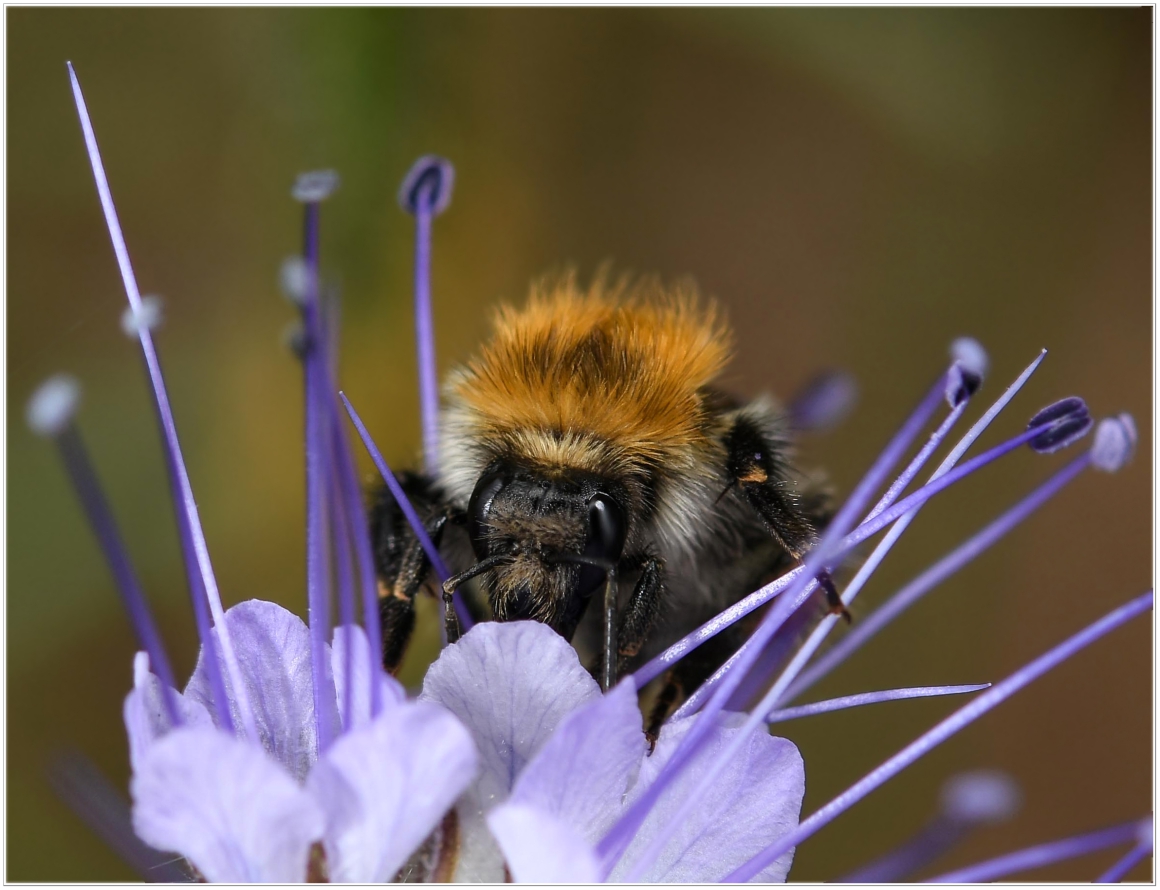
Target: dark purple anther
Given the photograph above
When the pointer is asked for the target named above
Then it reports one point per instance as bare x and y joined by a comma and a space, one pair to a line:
967, 373
427, 185
1067, 421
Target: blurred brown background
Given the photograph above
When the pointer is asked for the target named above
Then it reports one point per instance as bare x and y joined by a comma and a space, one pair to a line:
857, 187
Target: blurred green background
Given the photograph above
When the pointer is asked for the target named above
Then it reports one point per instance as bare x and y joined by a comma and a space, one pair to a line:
856, 186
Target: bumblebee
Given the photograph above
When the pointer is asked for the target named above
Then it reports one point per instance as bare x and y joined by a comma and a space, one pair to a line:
586, 453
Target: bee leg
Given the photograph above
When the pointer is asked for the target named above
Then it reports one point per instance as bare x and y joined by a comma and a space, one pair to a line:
450, 619
755, 467
397, 604
608, 661
689, 673
643, 607
400, 561
667, 699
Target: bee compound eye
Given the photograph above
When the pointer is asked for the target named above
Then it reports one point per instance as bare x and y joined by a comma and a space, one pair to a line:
478, 508
607, 527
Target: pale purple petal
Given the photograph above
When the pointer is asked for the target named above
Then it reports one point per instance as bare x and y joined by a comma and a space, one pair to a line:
392, 690
226, 806
510, 684
273, 653
385, 787
582, 774
146, 719
756, 799
541, 849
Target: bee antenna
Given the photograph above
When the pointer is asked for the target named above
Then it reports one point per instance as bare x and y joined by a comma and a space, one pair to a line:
480, 568
606, 564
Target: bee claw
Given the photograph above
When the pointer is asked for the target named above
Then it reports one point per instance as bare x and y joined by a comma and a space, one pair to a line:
841, 609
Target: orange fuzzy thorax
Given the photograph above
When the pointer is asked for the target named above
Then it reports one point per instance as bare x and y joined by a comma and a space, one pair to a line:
577, 379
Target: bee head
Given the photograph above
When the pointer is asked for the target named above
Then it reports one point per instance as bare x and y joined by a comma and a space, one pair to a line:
555, 536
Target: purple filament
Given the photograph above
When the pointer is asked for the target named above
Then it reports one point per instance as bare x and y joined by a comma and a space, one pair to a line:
408, 509
613, 845
915, 467
970, 549
1124, 865
192, 537
340, 547
317, 461
351, 500
96, 507
868, 698
937, 837
425, 329
957, 721
1041, 855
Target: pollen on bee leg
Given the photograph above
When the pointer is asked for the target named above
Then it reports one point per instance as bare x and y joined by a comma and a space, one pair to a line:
755, 475
385, 592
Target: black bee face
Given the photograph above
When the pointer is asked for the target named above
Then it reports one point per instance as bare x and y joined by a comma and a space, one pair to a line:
552, 539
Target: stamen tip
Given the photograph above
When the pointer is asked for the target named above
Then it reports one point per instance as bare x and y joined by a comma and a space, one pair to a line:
432, 175
147, 317
294, 280
1069, 421
1115, 443
1145, 831
981, 797
967, 372
315, 186
52, 406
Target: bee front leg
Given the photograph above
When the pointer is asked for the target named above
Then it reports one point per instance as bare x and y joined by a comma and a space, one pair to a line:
755, 467
403, 570
397, 603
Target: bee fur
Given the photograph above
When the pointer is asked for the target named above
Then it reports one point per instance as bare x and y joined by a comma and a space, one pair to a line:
605, 397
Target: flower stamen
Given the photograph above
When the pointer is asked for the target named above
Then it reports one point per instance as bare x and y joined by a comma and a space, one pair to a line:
50, 413
1046, 854
425, 193
868, 698
202, 583
957, 721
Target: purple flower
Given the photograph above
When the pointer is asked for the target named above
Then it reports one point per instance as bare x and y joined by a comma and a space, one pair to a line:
555, 753
241, 810
290, 755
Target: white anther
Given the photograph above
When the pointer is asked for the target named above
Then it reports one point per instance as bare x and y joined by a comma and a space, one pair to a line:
971, 355
315, 186
52, 406
294, 279
147, 317
1114, 443
980, 797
